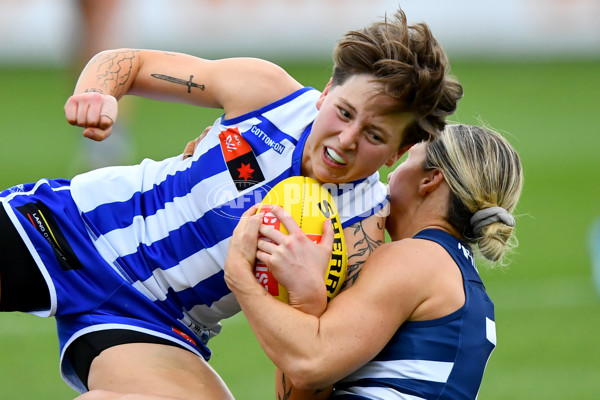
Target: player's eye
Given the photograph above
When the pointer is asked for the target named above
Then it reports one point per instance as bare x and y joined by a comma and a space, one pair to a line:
375, 136
345, 114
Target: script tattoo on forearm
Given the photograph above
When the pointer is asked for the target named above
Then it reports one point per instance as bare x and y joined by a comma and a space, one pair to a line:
179, 81
363, 248
113, 71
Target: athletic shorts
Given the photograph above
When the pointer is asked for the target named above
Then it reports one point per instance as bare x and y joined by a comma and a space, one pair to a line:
86, 294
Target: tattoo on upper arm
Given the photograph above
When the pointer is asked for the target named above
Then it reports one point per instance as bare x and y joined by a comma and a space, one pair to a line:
180, 81
113, 70
363, 248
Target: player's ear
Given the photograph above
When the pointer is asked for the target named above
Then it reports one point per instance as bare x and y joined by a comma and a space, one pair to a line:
432, 181
324, 94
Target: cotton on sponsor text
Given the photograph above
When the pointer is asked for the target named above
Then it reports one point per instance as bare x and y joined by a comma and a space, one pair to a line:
278, 147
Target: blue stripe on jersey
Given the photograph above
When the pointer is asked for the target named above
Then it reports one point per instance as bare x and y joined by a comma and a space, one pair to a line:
260, 142
255, 113
194, 236
298, 150
441, 339
206, 292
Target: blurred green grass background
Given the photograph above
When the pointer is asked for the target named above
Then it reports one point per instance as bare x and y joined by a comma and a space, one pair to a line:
547, 311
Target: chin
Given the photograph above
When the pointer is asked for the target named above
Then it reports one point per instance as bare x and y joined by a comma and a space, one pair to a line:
329, 178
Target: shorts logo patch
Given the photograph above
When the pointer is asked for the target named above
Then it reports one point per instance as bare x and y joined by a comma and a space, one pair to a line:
42, 219
184, 335
241, 161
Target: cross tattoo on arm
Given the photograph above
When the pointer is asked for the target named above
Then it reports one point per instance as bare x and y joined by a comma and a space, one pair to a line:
179, 81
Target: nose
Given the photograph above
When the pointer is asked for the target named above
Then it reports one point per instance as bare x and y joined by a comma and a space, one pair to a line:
348, 137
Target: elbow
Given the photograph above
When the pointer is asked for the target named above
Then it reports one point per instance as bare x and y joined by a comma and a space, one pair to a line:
309, 375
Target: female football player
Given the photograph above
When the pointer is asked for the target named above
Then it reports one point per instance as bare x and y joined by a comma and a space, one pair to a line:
417, 323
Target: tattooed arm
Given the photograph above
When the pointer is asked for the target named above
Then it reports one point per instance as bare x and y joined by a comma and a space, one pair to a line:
237, 85
362, 239
285, 390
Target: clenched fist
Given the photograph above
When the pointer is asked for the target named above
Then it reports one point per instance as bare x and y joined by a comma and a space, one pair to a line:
96, 112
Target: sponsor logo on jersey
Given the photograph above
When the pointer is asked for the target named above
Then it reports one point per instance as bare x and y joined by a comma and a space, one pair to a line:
241, 161
17, 189
43, 221
259, 133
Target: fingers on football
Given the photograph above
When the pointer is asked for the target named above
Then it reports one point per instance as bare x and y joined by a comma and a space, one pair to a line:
249, 223
272, 234
266, 245
327, 238
287, 220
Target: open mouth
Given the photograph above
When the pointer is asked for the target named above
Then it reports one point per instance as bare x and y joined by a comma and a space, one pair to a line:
334, 156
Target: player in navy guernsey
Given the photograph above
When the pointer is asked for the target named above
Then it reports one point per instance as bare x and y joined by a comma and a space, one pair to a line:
417, 323
130, 259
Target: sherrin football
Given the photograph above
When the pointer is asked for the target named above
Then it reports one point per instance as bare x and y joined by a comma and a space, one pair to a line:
310, 204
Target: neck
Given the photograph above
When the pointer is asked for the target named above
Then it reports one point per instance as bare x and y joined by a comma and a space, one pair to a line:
405, 232
407, 223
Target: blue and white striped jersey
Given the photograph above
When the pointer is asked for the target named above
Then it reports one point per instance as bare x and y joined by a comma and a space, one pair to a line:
163, 227
439, 359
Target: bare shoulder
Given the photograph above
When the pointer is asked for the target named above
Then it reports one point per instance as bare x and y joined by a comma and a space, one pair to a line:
247, 84
393, 279
423, 272
407, 257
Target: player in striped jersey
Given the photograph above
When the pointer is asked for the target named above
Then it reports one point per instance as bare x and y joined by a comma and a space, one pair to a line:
417, 324
130, 259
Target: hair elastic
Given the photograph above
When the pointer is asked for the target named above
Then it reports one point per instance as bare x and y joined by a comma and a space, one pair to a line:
489, 215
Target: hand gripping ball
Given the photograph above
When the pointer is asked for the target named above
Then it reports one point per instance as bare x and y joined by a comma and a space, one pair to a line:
310, 204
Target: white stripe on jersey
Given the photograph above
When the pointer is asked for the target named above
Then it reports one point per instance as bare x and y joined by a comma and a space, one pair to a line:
362, 199
376, 393
129, 177
156, 227
184, 275
290, 117
490, 330
433, 371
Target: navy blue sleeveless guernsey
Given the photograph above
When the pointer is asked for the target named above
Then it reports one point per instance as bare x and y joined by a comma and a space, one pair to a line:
438, 359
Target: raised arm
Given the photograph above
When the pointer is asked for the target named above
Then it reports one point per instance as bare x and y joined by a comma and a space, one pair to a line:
237, 85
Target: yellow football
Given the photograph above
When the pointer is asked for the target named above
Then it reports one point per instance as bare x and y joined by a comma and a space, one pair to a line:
310, 204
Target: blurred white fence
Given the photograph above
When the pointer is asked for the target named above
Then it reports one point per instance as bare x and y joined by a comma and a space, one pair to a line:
46, 31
